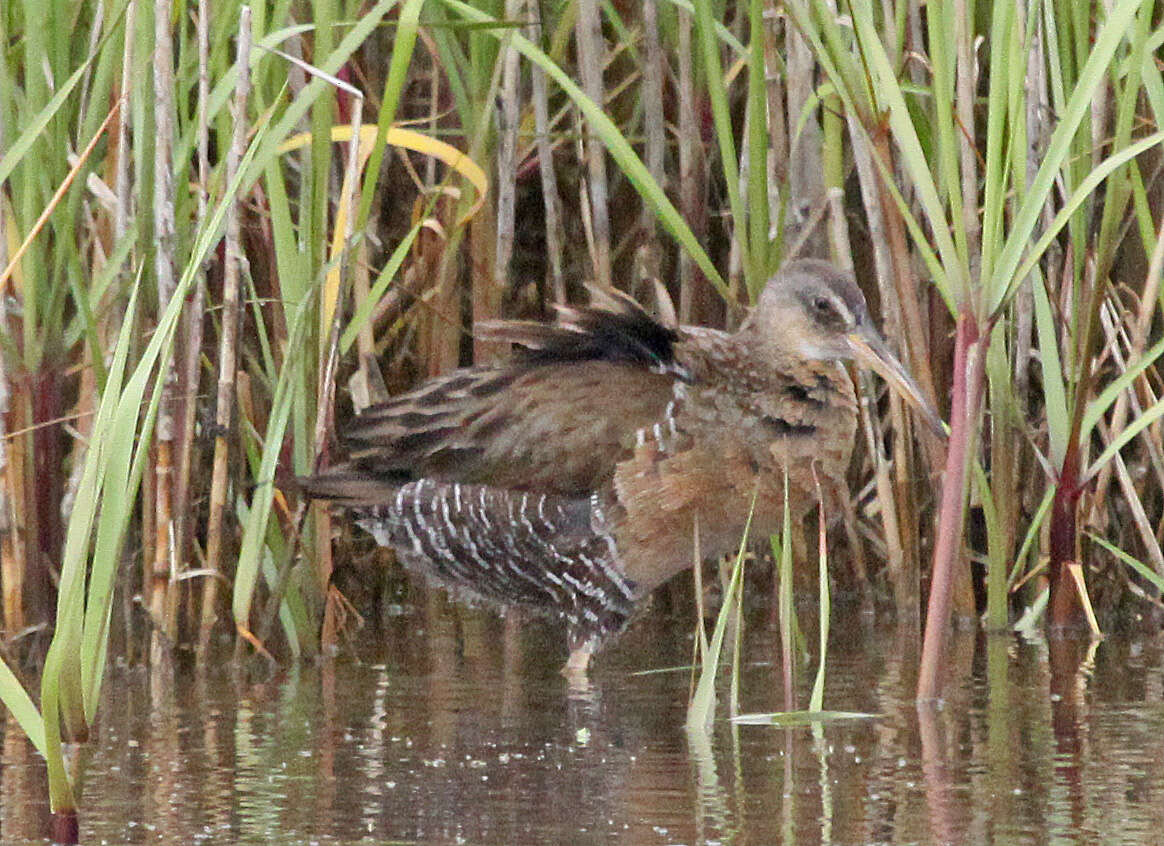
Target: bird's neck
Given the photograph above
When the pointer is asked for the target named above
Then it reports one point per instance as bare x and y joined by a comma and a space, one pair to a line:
781, 362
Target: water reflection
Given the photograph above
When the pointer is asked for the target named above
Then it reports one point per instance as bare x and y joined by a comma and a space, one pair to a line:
463, 732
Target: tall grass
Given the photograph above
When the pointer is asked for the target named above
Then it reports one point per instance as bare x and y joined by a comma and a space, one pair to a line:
991, 171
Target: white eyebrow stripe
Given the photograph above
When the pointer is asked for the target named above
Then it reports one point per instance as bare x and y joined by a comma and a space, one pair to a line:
843, 309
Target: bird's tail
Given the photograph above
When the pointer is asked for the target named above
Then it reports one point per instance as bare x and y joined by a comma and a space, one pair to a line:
346, 484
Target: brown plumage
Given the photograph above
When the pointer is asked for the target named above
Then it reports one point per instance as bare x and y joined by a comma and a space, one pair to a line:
570, 479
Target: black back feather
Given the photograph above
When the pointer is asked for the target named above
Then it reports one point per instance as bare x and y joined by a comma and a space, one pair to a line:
614, 328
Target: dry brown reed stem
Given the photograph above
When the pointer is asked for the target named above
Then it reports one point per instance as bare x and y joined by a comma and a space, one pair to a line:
1135, 504
121, 186
319, 511
121, 218
842, 252
905, 582
858, 560
228, 339
148, 484
904, 570
895, 277
778, 139
805, 174
867, 180
191, 330
590, 50
12, 558
913, 338
735, 272
485, 284
654, 123
370, 387
689, 196
434, 101
163, 565
912, 335
551, 199
1131, 496
203, 99
439, 333
1144, 314
441, 343
507, 147
915, 41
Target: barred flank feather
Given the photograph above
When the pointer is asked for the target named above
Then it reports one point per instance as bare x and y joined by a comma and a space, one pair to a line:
513, 548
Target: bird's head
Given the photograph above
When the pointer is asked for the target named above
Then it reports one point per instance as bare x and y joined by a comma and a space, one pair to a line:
814, 311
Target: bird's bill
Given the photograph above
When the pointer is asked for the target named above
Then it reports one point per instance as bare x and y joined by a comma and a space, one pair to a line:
870, 350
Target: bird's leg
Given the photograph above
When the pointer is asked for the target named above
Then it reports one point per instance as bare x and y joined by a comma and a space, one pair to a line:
578, 662
582, 647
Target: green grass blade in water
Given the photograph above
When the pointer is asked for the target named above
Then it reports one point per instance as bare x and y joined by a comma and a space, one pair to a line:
702, 707
792, 719
21, 706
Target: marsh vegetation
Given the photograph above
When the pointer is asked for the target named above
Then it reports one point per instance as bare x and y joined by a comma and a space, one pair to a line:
222, 225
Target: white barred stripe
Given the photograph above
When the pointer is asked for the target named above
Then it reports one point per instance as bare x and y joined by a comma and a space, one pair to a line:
524, 512
550, 527
449, 527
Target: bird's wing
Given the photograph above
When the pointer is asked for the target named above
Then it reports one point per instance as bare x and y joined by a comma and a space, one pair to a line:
555, 419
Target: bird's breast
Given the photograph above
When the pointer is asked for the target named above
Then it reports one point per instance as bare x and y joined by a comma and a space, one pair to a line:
729, 454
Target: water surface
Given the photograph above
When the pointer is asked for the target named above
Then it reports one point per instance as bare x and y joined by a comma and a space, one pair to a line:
464, 732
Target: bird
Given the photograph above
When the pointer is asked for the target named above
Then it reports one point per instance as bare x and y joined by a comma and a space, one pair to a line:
613, 449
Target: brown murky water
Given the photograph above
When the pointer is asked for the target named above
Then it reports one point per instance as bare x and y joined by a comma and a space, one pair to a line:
467, 734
